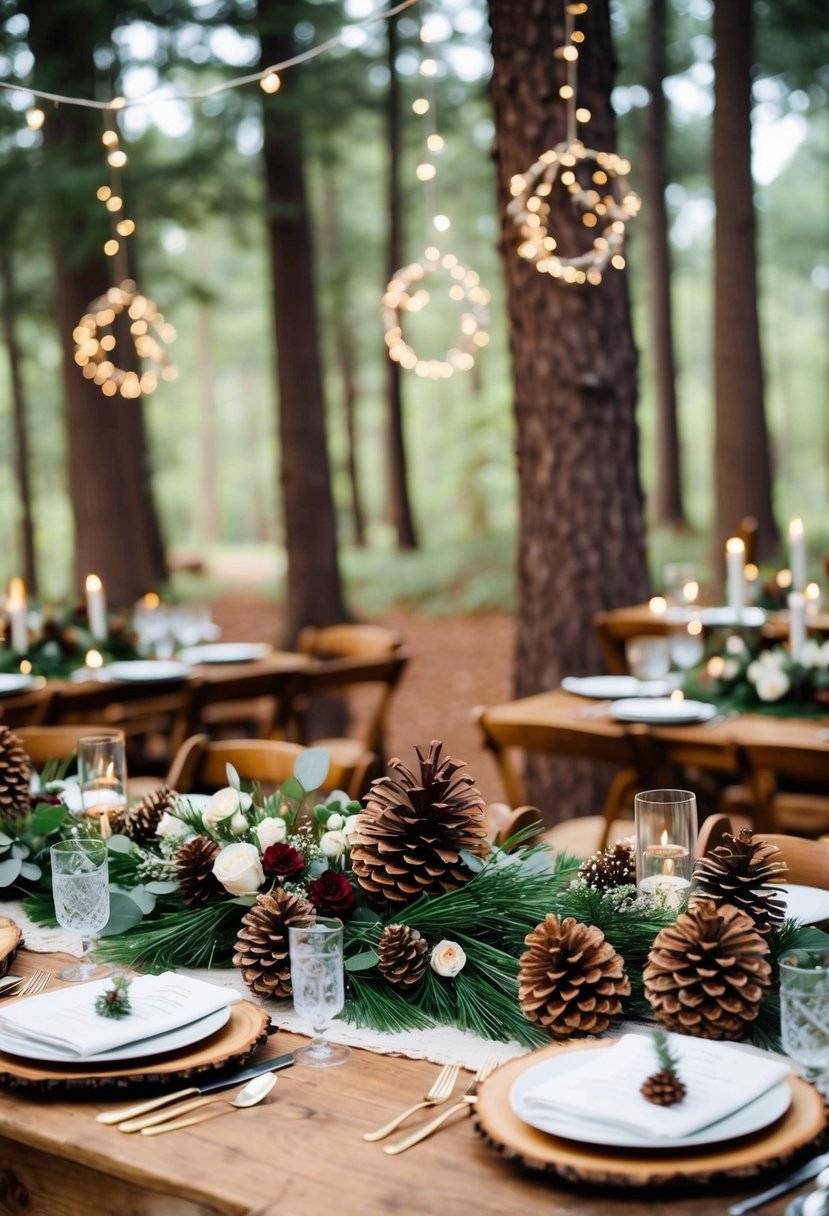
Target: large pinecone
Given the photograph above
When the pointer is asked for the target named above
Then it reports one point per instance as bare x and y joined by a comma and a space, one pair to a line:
571, 980
707, 973
409, 838
610, 867
15, 771
141, 822
194, 871
262, 948
738, 873
403, 956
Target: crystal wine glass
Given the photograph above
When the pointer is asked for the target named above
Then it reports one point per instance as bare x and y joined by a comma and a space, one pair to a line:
319, 989
804, 1012
80, 888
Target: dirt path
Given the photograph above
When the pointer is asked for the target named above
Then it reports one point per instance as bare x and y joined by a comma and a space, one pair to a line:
457, 663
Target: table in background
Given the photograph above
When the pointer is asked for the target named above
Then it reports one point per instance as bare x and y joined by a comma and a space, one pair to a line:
302, 1154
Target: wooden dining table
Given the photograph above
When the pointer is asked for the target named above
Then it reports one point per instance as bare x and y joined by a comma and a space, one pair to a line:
300, 1153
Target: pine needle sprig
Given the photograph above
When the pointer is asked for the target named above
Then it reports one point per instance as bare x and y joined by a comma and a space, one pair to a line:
668, 1060
201, 937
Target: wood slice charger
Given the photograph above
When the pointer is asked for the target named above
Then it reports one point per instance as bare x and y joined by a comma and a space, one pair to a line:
572, 1161
9, 943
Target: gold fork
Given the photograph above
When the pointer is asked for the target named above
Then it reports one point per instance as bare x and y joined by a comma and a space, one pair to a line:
31, 985
467, 1101
440, 1092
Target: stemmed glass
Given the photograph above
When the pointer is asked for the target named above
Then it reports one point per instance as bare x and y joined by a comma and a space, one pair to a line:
319, 989
80, 888
102, 774
804, 1012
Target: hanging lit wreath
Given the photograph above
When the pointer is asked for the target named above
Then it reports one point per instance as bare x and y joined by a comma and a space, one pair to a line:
95, 342
406, 293
605, 204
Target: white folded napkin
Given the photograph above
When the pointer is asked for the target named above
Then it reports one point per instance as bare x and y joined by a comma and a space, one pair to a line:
67, 1021
719, 1080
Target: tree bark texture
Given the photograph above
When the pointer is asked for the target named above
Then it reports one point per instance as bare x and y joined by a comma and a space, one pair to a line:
116, 528
742, 478
19, 422
582, 540
313, 589
667, 506
397, 479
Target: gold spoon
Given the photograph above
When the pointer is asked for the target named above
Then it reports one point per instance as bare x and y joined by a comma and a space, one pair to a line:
169, 1121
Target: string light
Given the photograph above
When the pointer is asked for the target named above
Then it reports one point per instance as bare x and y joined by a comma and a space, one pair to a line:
595, 185
406, 292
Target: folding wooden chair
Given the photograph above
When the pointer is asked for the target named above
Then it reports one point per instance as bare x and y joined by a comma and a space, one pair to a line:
44, 743
26, 708
789, 786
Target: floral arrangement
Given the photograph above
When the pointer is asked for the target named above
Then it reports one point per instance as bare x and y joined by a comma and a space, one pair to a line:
60, 639
439, 926
736, 675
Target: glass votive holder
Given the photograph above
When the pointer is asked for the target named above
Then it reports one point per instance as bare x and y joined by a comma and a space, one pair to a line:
666, 844
681, 583
102, 774
648, 657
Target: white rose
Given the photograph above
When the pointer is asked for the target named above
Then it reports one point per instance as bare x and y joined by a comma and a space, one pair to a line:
270, 831
333, 844
171, 828
349, 825
772, 685
223, 804
334, 823
809, 653
239, 869
448, 958
822, 659
71, 796
238, 824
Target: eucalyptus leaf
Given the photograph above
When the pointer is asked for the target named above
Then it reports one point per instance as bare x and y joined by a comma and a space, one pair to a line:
5, 840
48, 818
160, 886
124, 914
363, 961
30, 871
292, 789
21, 851
144, 898
233, 778
312, 767
471, 860
245, 901
10, 871
119, 844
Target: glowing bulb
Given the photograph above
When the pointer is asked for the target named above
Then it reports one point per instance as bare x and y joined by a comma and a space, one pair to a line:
110, 139
583, 114
114, 203
117, 159
111, 248
429, 67
420, 105
270, 83
103, 193
566, 91
125, 227
442, 223
35, 119
435, 143
425, 171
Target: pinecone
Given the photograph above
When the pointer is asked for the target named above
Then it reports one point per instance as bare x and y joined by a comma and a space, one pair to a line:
738, 873
707, 973
611, 867
141, 822
571, 980
663, 1089
194, 871
403, 958
407, 842
262, 948
15, 771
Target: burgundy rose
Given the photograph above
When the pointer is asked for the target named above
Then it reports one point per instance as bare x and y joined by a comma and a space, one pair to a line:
283, 861
332, 894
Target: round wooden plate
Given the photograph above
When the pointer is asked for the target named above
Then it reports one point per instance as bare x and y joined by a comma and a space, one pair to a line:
9, 943
230, 1046
575, 1162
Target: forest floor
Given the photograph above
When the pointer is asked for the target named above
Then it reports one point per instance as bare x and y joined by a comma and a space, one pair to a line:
457, 663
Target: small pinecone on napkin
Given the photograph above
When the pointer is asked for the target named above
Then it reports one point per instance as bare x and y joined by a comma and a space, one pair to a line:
402, 960
141, 822
708, 972
262, 947
570, 979
15, 771
194, 871
738, 873
664, 1088
610, 867
408, 840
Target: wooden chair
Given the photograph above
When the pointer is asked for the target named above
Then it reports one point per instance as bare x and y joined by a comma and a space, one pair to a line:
712, 832
788, 785
28, 708
201, 764
807, 861
251, 702
348, 658
44, 743
503, 823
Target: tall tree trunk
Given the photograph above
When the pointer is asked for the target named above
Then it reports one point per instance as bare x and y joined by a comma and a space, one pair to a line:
313, 588
397, 485
667, 506
19, 421
208, 526
582, 541
116, 528
742, 466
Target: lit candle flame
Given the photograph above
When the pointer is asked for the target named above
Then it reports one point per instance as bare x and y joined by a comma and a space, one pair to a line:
94, 659
151, 601
690, 591
663, 840
658, 604
735, 544
93, 582
677, 695
784, 579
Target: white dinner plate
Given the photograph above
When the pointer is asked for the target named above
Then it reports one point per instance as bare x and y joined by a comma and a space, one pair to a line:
750, 1118
809, 905
659, 711
226, 652
14, 682
156, 1045
611, 688
139, 670
751, 618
